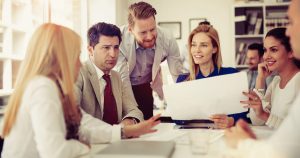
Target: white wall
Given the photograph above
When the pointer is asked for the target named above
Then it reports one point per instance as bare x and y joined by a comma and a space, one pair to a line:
110, 11
218, 12
101, 11
122, 6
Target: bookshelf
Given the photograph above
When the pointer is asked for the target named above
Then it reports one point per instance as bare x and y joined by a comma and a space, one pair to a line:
16, 24
252, 21
18, 19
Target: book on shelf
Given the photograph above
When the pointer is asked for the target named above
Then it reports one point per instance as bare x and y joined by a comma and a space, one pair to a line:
277, 22
252, 18
277, 14
241, 54
240, 21
240, 24
258, 26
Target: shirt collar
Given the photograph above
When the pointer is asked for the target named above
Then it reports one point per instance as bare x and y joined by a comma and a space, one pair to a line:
99, 72
138, 47
214, 73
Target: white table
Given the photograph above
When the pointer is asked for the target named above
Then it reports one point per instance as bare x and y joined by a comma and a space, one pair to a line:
167, 132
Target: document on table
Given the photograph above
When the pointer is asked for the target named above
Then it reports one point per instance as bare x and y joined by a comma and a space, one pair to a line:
201, 98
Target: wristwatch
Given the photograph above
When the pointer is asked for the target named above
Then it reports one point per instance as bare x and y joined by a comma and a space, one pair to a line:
134, 120
122, 131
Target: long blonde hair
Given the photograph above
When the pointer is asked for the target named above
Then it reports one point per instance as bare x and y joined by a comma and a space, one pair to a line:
53, 49
217, 58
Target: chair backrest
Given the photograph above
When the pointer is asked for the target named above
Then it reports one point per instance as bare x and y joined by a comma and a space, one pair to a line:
1, 145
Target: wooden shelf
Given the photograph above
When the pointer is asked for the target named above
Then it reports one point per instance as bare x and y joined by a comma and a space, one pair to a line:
11, 56
250, 36
242, 4
277, 4
5, 92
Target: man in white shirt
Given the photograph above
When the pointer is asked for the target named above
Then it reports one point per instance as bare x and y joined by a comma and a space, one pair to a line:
286, 140
105, 98
144, 47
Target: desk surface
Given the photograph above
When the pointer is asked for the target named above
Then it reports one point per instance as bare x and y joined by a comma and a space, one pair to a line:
167, 132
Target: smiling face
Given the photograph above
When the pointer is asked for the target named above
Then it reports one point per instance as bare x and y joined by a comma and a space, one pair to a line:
202, 49
144, 32
276, 56
105, 53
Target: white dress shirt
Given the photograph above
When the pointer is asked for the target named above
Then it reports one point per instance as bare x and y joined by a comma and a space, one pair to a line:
102, 84
40, 130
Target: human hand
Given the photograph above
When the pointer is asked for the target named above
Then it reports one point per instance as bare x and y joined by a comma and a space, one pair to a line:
238, 133
86, 143
254, 102
222, 121
128, 121
263, 71
141, 128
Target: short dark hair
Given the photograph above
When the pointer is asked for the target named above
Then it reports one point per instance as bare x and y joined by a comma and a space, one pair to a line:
257, 46
102, 28
140, 10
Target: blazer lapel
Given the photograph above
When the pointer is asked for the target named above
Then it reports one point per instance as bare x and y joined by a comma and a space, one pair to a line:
157, 59
95, 82
132, 53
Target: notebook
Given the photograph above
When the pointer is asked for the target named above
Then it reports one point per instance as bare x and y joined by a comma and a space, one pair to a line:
138, 149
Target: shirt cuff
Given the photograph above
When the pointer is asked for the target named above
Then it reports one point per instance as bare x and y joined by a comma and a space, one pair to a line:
274, 121
260, 93
116, 133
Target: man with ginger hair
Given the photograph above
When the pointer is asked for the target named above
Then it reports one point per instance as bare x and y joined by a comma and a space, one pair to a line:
144, 47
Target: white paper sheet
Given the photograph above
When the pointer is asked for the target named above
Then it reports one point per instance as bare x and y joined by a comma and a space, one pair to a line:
201, 98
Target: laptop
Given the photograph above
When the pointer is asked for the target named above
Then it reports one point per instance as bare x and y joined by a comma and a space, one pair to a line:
138, 149
194, 101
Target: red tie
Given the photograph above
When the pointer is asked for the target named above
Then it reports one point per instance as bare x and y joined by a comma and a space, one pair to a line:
110, 114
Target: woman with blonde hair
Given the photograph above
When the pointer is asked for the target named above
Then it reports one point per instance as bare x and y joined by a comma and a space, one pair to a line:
42, 118
206, 61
